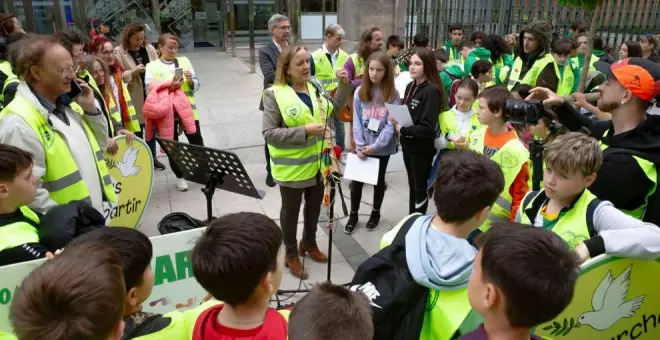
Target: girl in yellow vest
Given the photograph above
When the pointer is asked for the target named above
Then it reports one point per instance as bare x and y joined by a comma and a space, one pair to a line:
295, 126
163, 69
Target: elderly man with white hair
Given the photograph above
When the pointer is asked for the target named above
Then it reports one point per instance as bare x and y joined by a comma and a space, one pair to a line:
327, 60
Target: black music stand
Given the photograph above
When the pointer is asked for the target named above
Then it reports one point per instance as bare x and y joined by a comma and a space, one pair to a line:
215, 169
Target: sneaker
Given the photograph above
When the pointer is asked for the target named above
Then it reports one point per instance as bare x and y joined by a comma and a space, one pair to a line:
158, 165
374, 219
181, 184
349, 228
270, 181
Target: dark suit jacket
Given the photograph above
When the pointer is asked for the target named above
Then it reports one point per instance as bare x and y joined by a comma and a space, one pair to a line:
269, 54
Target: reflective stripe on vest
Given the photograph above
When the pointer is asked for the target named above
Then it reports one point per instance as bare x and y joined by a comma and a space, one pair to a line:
18, 233
297, 162
112, 112
5, 67
358, 63
453, 58
511, 158
132, 124
566, 82
530, 77
448, 125
163, 72
572, 225
324, 72
62, 178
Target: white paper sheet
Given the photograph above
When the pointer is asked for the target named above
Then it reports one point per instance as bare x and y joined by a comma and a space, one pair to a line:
365, 171
400, 113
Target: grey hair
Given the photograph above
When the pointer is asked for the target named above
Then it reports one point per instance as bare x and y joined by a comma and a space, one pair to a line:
275, 20
334, 30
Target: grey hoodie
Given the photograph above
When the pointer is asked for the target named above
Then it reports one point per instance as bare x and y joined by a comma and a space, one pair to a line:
436, 259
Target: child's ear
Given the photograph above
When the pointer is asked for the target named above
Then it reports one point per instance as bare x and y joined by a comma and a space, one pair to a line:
132, 297
483, 213
589, 180
4, 191
492, 296
267, 283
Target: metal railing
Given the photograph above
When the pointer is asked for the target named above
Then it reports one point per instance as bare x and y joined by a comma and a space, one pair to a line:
621, 20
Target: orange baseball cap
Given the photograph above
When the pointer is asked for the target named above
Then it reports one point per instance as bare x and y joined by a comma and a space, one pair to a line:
639, 75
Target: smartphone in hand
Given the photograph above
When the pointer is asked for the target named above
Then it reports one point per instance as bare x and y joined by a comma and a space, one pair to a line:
178, 74
75, 90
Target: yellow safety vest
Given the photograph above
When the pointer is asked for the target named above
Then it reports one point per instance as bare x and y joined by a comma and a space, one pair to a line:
324, 72
511, 158
455, 59
175, 330
5, 67
564, 83
651, 173
594, 59
500, 71
17, 233
446, 310
448, 125
358, 63
113, 117
572, 225
298, 162
132, 124
162, 72
532, 73
62, 178
87, 77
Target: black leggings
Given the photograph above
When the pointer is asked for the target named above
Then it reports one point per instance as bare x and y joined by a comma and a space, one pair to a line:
379, 189
195, 138
418, 163
291, 201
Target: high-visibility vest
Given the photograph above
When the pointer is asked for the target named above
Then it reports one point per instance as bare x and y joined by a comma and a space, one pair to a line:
324, 71
175, 330
298, 162
500, 71
131, 124
571, 226
511, 158
566, 81
358, 63
448, 125
87, 77
594, 59
113, 117
62, 178
18, 233
651, 173
5, 67
162, 72
454, 54
530, 77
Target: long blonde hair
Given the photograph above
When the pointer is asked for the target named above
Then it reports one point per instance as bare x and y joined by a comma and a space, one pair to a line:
281, 78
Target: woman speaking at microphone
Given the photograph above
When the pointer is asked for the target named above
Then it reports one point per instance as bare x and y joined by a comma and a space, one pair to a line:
296, 117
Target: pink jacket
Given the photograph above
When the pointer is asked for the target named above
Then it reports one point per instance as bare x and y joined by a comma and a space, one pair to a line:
159, 109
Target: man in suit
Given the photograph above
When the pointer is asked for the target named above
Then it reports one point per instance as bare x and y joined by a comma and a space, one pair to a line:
268, 56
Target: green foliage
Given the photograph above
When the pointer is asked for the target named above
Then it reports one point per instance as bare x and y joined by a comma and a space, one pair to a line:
559, 329
586, 4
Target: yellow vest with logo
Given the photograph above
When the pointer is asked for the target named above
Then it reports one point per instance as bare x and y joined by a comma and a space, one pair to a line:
5, 67
175, 330
651, 173
511, 158
572, 225
358, 63
323, 70
62, 178
162, 72
532, 73
448, 125
18, 233
298, 162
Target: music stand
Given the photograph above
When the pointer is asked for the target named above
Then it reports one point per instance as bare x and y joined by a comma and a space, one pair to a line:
215, 169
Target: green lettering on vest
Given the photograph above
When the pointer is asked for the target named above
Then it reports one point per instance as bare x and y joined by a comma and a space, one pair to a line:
183, 264
164, 271
5, 296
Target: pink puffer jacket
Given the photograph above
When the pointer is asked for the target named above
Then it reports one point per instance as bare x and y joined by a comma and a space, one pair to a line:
159, 109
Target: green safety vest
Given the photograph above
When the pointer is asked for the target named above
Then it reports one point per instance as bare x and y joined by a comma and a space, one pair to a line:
511, 158
300, 162
324, 72
62, 178
17, 233
446, 310
651, 173
175, 330
448, 125
358, 63
5, 67
572, 225
162, 72
530, 77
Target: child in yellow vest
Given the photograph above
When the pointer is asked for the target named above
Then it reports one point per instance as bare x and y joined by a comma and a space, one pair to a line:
502, 290
566, 207
559, 75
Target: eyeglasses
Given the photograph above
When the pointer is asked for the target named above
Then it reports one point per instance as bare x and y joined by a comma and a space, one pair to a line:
69, 69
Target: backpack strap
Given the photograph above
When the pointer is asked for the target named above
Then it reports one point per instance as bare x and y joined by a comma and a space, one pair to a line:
176, 62
591, 209
137, 331
400, 238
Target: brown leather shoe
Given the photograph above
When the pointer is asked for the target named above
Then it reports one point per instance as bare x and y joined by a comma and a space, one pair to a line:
313, 251
295, 267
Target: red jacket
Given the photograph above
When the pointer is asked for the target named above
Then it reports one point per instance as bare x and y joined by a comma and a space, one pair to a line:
160, 107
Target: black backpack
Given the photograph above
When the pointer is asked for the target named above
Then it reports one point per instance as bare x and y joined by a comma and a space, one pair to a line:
398, 302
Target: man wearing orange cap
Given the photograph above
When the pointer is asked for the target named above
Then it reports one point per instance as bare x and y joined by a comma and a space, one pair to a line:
630, 141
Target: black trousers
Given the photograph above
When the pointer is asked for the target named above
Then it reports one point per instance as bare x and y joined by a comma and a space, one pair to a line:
291, 200
151, 143
379, 189
418, 161
267, 154
195, 138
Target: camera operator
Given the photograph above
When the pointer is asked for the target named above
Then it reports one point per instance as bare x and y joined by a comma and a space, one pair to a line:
631, 140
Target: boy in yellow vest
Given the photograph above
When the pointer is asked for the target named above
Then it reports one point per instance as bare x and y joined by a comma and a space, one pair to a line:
237, 261
559, 75
522, 277
566, 207
331, 312
19, 225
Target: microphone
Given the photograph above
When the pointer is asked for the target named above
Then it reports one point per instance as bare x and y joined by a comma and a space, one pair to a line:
319, 87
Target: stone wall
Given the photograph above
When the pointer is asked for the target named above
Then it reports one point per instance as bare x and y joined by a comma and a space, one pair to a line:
357, 15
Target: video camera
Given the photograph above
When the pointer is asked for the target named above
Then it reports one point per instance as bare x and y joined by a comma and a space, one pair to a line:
525, 112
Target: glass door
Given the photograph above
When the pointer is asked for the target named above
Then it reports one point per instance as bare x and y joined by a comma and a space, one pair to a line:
42, 17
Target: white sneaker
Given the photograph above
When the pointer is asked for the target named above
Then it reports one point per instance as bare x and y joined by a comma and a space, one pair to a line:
181, 184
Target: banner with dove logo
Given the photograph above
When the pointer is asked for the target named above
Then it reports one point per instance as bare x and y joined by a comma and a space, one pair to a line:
615, 298
132, 173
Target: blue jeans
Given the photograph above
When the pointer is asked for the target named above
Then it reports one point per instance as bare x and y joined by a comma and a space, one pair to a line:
436, 167
340, 136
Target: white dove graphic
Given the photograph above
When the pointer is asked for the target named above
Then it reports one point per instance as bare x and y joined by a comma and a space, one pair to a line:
609, 302
127, 165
